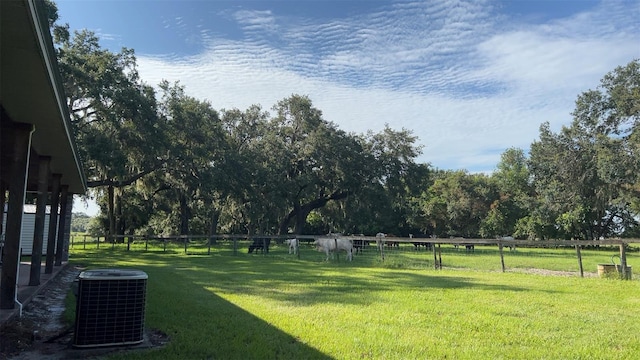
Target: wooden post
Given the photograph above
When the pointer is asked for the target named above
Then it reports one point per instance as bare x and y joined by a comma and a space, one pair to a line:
235, 246
337, 253
3, 200
53, 223
84, 242
209, 246
66, 229
185, 243
579, 260
297, 248
439, 257
500, 247
62, 222
164, 244
15, 206
435, 257
623, 263
38, 233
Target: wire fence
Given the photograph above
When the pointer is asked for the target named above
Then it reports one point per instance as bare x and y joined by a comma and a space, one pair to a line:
612, 258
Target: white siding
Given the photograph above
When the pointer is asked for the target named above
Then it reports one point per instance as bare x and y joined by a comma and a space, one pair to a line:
28, 228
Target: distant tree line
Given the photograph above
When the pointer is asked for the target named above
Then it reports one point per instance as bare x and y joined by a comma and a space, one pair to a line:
80, 222
163, 162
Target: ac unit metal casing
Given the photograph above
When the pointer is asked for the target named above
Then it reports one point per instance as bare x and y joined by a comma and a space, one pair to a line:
110, 307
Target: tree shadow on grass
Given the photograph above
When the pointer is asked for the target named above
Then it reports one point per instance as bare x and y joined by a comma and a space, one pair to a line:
199, 323
300, 282
183, 298
203, 325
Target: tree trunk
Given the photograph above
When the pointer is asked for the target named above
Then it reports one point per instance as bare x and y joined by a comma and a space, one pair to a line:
213, 225
284, 224
184, 215
119, 219
111, 214
301, 219
300, 212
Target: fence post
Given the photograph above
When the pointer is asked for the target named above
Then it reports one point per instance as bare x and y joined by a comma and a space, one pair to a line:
435, 257
500, 246
297, 247
84, 242
235, 246
98, 241
209, 246
579, 260
146, 243
623, 263
185, 243
164, 241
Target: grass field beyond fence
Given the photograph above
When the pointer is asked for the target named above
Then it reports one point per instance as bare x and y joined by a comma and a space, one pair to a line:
276, 306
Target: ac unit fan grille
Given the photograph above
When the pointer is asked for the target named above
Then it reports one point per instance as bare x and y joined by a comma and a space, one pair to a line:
110, 312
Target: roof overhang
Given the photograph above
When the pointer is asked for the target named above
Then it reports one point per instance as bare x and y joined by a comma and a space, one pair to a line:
31, 90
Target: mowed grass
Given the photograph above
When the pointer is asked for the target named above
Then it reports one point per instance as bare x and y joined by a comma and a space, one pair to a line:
276, 306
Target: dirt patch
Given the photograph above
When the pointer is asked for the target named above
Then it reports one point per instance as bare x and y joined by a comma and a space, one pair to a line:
42, 334
553, 272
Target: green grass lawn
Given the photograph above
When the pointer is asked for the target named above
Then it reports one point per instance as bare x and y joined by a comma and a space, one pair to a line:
276, 306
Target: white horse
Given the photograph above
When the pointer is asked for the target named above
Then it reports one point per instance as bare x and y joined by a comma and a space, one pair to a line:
293, 245
380, 240
334, 245
512, 247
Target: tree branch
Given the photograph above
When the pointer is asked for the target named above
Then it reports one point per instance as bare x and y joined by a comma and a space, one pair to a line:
311, 205
122, 183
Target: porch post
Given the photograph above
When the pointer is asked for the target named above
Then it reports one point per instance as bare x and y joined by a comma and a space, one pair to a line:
38, 231
64, 197
67, 228
53, 222
3, 190
17, 189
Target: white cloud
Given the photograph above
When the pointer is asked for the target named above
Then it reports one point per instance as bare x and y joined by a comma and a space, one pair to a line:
107, 36
469, 83
256, 23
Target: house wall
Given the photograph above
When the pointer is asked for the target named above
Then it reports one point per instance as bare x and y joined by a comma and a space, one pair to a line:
28, 228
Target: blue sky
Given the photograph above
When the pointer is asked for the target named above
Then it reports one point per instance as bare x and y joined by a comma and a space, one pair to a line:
469, 78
